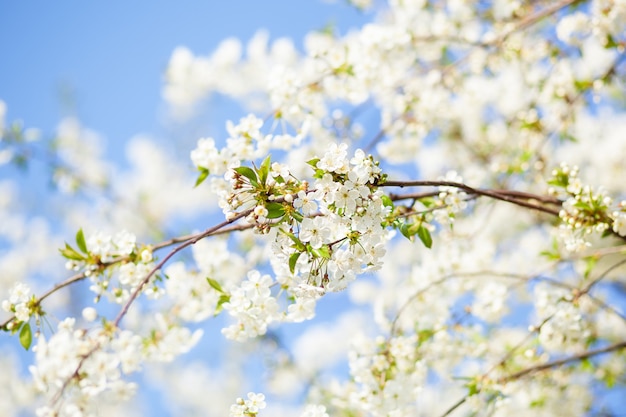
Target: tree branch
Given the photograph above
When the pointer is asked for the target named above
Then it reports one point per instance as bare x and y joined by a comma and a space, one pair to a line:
564, 361
514, 197
192, 240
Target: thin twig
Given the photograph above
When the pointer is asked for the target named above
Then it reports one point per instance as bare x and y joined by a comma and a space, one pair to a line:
564, 361
455, 406
194, 239
602, 276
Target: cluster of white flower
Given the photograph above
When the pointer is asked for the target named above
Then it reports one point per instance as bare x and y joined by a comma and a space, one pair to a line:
168, 340
19, 302
607, 18
348, 238
388, 376
194, 299
584, 210
207, 156
490, 303
189, 78
619, 219
249, 407
74, 366
253, 306
572, 28
564, 328
130, 276
98, 249
313, 410
107, 247
325, 234
452, 200
245, 143
81, 162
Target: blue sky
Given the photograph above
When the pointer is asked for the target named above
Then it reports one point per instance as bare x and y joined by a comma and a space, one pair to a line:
104, 61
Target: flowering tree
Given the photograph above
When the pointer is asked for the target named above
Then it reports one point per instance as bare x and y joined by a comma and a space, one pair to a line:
457, 167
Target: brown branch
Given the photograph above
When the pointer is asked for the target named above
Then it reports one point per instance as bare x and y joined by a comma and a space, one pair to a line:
602, 276
455, 406
564, 361
475, 274
517, 198
535, 17
69, 281
192, 240
82, 275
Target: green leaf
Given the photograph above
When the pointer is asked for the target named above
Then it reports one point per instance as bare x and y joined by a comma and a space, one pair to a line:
425, 237
590, 264
406, 231
264, 170
298, 243
472, 388
428, 202
610, 379
70, 253
550, 255
586, 365
275, 210
387, 202
322, 252
313, 162
249, 174
293, 259
424, 335
26, 336
204, 173
538, 403
297, 216
215, 285
610, 42
220, 303
80, 241
319, 173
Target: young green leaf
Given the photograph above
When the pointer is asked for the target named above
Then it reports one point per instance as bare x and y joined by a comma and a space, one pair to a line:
472, 388
313, 162
275, 210
293, 259
215, 285
319, 173
26, 336
298, 243
425, 237
322, 252
387, 202
405, 229
204, 173
249, 174
220, 304
80, 241
264, 170
70, 253
297, 216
